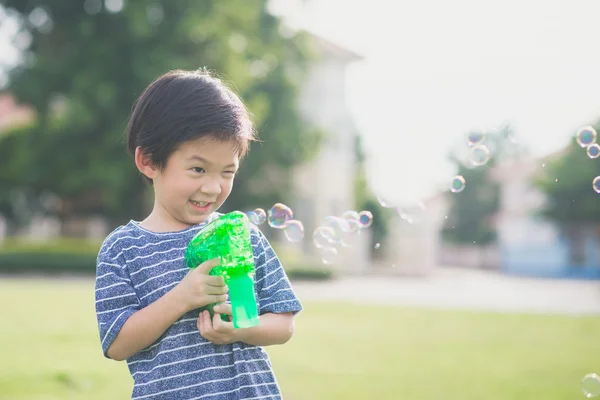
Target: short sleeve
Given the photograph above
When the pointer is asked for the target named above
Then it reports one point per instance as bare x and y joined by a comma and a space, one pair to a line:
116, 299
275, 293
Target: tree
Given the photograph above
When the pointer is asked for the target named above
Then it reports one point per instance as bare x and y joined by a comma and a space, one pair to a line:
87, 62
471, 210
366, 200
567, 183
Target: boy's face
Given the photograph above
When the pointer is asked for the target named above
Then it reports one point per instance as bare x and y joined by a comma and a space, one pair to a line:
195, 182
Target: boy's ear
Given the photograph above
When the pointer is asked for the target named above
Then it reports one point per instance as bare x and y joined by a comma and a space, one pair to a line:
144, 164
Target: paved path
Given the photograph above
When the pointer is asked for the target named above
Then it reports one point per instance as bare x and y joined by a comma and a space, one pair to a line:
462, 289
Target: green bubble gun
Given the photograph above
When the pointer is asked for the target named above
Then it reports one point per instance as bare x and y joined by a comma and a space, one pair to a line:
228, 239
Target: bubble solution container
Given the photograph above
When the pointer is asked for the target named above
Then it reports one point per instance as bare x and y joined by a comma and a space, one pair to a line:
228, 239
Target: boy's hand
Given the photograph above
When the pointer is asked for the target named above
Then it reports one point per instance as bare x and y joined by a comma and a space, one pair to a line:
216, 330
199, 289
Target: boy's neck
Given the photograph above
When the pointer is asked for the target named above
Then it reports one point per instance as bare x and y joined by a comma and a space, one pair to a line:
156, 222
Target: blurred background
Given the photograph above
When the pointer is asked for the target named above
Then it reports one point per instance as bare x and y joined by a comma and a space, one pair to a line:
463, 131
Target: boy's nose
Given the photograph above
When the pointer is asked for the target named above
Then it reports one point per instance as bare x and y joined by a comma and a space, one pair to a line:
212, 189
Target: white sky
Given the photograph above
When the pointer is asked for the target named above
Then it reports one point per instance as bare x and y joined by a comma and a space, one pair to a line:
435, 69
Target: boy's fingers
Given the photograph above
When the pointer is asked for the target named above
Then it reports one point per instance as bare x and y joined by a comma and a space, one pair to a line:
205, 322
219, 325
215, 280
218, 298
223, 308
207, 265
216, 290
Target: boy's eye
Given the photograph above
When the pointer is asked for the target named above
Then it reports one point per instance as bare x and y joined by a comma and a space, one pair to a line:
198, 170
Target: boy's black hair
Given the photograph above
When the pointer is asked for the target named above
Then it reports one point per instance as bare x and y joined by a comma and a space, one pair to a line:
180, 106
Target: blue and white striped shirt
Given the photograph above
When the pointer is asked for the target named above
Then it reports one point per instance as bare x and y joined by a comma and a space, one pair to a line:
136, 267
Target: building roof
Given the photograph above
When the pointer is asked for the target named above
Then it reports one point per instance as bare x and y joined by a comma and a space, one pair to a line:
329, 47
12, 113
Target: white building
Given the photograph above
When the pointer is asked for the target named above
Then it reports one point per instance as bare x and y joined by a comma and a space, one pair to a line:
325, 185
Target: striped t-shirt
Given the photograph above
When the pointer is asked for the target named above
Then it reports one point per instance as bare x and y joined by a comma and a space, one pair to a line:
136, 267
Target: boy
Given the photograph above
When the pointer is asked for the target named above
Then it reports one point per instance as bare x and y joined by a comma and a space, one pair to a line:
187, 134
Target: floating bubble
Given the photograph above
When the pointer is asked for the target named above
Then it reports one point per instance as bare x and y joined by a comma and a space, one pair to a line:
593, 151
294, 231
474, 138
596, 184
458, 184
279, 215
251, 216
478, 155
586, 136
352, 218
412, 213
385, 202
329, 255
350, 215
377, 246
365, 218
590, 385
509, 134
353, 225
339, 226
257, 217
323, 237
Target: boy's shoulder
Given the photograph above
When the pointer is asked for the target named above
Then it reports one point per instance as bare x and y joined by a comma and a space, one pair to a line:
256, 236
114, 241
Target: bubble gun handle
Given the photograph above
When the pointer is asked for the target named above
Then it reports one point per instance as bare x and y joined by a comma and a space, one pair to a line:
228, 239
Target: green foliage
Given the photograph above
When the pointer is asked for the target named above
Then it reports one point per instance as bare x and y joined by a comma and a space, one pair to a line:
78, 256
61, 246
567, 183
471, 211
73, 256
365, 199
85, 68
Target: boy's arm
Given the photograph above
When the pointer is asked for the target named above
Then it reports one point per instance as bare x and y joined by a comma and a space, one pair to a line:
273, 329
125, 329
145, 326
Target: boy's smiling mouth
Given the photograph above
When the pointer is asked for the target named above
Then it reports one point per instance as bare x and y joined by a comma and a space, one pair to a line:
201, 206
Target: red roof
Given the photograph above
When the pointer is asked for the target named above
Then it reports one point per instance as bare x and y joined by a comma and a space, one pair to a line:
12, 113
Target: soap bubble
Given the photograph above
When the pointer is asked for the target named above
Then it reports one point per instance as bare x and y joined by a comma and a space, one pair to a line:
590, 385
328, 255
365, 219
509, 134
478, 155
294, 231
596, 184
377, 246
593, 151
339, 226
350, 215
385, 202
279, 215
257, 217
353, 226
474, 138
458, 184
352, 218
586, 136
412, 213
323, 237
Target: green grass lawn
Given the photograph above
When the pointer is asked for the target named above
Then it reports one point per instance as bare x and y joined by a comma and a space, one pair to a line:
49, 349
